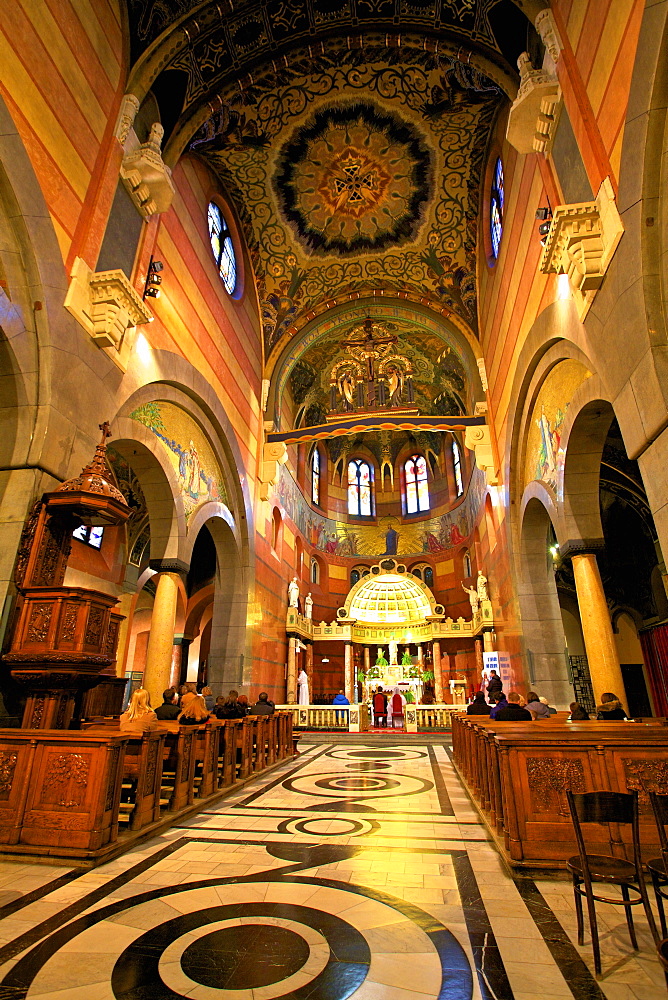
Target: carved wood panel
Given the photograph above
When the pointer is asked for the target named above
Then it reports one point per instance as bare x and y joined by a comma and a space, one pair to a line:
7, 768
550, 778
66, 779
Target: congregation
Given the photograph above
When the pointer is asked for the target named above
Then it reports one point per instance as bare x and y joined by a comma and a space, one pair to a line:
189, 708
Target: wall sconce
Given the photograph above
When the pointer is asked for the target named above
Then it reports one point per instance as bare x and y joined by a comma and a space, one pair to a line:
153, 280
325, 659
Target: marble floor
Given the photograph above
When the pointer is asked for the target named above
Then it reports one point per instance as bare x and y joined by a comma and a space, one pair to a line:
356, 870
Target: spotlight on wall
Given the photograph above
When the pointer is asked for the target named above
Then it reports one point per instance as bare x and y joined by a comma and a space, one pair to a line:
325, 659
544, 216
543, 213
153, 280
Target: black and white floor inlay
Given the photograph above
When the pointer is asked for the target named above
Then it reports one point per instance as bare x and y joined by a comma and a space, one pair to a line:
352, 871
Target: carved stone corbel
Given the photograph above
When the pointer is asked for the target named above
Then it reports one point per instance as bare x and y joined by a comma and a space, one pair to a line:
107, 307
478, 439
146, 177
549, 33
126, 117
581, 242
273, 456
534, 111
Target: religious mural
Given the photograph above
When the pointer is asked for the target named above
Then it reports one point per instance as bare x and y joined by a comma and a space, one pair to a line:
544, 455
389, 535
190, 454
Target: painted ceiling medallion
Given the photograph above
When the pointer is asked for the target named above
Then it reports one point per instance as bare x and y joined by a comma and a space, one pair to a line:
354, 179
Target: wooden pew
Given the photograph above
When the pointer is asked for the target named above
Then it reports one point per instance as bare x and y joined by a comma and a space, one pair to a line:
518, 774
142, 771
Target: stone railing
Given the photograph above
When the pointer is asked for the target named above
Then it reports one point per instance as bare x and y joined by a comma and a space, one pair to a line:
347, 718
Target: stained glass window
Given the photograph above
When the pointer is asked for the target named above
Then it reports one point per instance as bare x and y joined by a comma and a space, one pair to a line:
457, 463
223, 248
315, 571
417, 490
89, 536
429, 576
315, 476
359, 488
496, 208
354, 577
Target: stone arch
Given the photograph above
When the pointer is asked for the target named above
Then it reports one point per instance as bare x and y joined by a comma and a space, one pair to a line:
584, 435
542, 625
167, 520
230, 651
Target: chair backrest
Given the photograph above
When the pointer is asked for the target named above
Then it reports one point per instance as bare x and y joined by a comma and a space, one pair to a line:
378, 703
604, 807
660, 810
397, 704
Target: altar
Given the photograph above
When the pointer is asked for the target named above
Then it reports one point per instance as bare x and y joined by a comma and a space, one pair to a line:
391, 627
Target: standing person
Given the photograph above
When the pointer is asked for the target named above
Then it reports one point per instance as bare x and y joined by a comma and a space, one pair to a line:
610, 708
139, 717
262, 706
514, 711
169, 710
302, 688
494, 687
209, 699
478, 706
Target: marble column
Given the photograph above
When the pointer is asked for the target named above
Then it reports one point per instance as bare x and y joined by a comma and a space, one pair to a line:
488, 642
479, 662
438, 676
291, 692
602, 657
161, 638
126, 607
348, 673
420, 656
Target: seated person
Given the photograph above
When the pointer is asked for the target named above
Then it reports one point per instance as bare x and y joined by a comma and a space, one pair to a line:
536, 707
379, 708
340, 699
209, 699
229, 708
479, 706
139, 717
262, 706
578, 713
545, 702
243, 703
169, 709
502, 702
610, 708
186, 692
513, 711
397, 704
195, 713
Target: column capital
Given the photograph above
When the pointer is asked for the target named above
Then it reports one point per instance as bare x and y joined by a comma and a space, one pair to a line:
169, 566
581, 547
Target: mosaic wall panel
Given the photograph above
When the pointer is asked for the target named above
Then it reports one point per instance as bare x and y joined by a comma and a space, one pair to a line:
544, 455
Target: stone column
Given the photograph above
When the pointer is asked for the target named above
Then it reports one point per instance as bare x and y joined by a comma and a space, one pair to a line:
291, 693
348, 673
487, 641
366, 692
479, 662
438, 676
420, 656
126, 607
161, 638
606, 674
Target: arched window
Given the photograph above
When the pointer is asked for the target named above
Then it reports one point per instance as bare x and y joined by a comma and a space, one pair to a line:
315, 571
315, 476
496, 208
222, 247
354, 577
359, 488
89, 536
467, 565
417, 490
417, 572
457, 464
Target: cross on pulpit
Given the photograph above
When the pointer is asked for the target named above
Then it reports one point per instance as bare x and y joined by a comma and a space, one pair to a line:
368, 346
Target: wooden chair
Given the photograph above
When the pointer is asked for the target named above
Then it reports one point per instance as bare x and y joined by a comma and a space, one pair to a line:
662, 952
658, 867
587, 869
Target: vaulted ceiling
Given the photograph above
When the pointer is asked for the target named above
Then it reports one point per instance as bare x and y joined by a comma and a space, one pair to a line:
350, 135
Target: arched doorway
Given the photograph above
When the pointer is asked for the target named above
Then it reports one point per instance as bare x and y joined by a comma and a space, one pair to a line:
539, 605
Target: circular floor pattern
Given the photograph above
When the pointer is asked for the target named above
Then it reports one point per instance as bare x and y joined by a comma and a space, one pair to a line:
367, 766
337, 786
371, 753
297, 937
330, 827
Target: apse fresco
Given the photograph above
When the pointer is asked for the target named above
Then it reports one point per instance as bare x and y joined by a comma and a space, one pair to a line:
189, 452
544, 455
389, 535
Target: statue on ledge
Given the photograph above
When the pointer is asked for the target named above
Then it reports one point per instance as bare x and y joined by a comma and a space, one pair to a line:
308, 605
481, 586
474, 598
293, 593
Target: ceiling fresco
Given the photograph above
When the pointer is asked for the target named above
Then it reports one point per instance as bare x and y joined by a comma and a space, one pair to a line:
360, 177
439, 377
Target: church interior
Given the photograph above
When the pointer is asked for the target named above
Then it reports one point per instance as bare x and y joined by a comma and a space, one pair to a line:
333, 363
